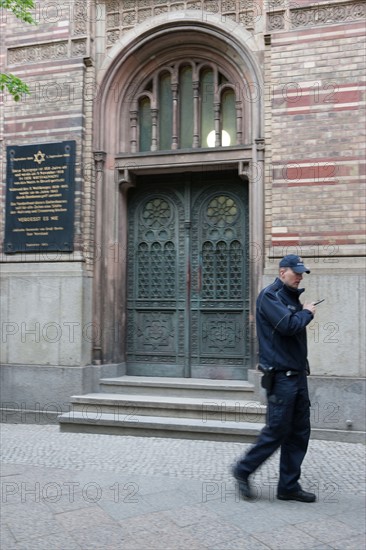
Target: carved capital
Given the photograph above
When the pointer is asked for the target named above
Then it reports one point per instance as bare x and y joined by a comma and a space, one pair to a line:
260, 144
244, 170
125, 179
99, 159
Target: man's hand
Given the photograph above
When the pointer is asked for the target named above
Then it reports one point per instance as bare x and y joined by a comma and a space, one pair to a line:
310, 307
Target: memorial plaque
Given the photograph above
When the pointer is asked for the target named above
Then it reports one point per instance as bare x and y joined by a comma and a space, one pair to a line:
40, 183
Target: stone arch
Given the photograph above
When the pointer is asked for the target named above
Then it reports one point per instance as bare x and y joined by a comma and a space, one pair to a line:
126, 65
121, 70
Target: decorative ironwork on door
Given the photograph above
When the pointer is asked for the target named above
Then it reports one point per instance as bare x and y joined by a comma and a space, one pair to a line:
188, 280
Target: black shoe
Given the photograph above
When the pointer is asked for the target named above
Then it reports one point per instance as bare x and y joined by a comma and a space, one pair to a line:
245, 490
301, 496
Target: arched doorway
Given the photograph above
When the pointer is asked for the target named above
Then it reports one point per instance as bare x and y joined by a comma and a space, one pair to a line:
167, 102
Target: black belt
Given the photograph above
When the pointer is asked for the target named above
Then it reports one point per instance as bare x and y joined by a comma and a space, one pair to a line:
288, 372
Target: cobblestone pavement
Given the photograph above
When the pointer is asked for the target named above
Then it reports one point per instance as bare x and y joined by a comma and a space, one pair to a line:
66, 491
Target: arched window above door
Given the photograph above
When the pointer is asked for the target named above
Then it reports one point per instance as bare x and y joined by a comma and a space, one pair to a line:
188, 104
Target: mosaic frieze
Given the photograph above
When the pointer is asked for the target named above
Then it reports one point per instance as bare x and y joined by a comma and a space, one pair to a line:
143, 14
45, 52
320, 14
112, 20
194, 5
178, 7
112, 37
228, 5
80, 17
79, 48
160, 10
124, 15
129, 19
276, 21
333, 13
247, 19
276, 4
211, 6
113, 5
35, 54
247, 4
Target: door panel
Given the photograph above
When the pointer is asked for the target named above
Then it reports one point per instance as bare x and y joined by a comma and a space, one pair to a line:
187, 278
219, 301
156, 281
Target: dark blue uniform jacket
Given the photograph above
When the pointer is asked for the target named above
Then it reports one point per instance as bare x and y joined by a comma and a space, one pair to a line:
281, 331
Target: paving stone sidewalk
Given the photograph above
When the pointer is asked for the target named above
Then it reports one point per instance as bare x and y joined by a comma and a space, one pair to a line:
66, 491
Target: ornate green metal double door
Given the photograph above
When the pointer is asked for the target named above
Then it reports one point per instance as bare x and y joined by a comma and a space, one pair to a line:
187, 297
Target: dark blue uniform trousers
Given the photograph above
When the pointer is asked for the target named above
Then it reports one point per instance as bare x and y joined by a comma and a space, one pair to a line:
288, 427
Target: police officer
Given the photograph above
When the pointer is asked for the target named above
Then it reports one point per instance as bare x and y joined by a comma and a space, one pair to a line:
281, 328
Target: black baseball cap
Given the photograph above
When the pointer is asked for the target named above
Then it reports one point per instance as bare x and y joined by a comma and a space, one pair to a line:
295, 263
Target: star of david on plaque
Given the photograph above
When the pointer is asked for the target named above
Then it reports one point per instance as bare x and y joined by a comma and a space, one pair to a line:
39, 157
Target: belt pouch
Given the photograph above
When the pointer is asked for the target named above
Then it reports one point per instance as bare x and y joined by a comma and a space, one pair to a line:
267, 379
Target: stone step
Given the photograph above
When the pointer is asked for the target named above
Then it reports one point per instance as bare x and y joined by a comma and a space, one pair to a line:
127, 406
168, 407
155, 426
178, 387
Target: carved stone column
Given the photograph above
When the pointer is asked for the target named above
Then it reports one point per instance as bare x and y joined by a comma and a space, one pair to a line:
99, 159
175, 140
133, 124
154, 137
196, 131
256, 244
239, 116
217, 124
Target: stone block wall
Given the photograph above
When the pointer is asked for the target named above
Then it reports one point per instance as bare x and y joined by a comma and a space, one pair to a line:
46, 305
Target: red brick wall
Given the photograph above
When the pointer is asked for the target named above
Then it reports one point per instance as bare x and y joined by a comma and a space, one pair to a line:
316, 172
49, 57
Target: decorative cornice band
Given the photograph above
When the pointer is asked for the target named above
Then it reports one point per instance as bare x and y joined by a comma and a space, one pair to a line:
330, 13
124, 15
334, 13
37, 53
